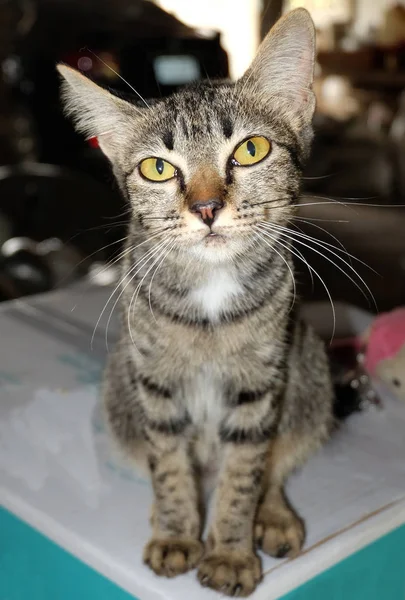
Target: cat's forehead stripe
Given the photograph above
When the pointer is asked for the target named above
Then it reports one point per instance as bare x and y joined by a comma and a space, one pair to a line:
227, 127
168, 139
197, 125
184, 127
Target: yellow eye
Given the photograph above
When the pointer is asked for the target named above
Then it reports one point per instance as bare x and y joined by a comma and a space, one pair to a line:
157, 169
252, 151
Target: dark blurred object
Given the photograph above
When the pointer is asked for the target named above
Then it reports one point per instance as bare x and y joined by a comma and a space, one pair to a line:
353, 389
41, 201
347, 161
27, 273
53, 183
28, 267
339, 62
135, 41
397, 137
16, 19
346, 401
354, 201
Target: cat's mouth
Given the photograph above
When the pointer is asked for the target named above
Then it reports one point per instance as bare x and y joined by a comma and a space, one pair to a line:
213, 238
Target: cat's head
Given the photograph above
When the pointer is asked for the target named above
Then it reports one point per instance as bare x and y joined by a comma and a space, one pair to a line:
215, 159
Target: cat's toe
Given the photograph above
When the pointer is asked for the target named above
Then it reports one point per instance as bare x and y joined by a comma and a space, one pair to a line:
231, 573
171, 557
279, 536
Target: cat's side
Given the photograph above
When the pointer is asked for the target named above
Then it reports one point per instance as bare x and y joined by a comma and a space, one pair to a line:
213, 371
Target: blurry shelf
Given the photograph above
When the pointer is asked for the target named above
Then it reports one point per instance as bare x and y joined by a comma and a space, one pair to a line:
358, 67
371, 79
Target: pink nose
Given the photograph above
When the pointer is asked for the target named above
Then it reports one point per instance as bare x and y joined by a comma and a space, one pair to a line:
207, 210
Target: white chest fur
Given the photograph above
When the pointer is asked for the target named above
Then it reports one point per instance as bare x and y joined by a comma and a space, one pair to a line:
204, 398
214, 295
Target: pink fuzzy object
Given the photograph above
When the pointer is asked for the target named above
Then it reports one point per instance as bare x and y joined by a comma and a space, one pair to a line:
385, 338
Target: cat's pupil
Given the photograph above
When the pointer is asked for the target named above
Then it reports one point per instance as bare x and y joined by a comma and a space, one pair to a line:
160, 165
251, 148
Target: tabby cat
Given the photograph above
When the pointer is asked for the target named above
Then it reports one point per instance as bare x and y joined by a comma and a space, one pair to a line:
213, 370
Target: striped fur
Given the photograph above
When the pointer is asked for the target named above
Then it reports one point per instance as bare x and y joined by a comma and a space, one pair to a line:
213, 372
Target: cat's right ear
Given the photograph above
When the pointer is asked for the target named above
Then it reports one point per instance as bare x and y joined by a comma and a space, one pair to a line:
284, 65
96, 112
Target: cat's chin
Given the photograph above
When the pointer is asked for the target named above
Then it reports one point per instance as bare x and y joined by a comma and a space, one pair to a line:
215, 249
214, 240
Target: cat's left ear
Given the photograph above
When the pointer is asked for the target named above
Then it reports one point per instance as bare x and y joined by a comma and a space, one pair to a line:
96, 112
284, 65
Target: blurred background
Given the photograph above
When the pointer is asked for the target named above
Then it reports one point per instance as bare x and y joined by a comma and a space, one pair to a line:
61, 217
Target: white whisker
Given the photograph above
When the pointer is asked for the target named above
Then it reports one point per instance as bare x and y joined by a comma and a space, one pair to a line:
319, 177
317, 275
113, 260
307, 219
152, 278
301, 256
114, 292
77, 265
325, 231
351, 204
120, 76
332, 246
135, 294
126, 251
295, 236
144, 261
327, 245
283, 258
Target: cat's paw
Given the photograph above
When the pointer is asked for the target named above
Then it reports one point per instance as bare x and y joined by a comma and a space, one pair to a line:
172, 556
229, 572
279, 533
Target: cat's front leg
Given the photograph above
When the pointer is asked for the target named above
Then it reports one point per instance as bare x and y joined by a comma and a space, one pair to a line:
152, 428
175, 546
230, 564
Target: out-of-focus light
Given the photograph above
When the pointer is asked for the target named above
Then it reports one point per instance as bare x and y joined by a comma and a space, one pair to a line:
100, 274
176, 70
85, 63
